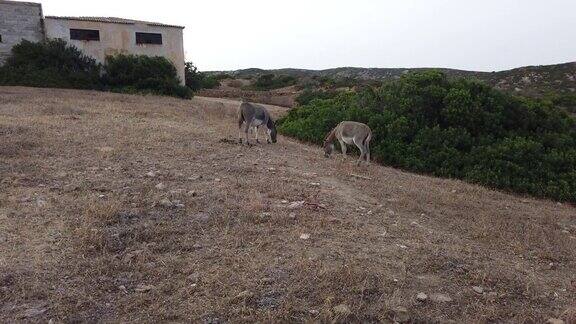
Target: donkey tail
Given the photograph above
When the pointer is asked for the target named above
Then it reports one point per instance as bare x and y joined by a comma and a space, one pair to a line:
367, 140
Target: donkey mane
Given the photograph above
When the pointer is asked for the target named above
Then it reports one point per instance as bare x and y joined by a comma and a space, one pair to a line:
270, 125
331, 136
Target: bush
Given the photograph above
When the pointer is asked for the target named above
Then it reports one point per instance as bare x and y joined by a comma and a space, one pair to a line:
197, 80
155, 75
54, 63
457, 129
271, 81
51, 63
308, 95
566, 101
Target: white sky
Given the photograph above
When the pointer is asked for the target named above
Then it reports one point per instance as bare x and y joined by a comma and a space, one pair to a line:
482, 35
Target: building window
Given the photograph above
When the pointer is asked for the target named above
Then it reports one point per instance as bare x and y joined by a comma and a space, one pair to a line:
85, 34
148, 38
0, 38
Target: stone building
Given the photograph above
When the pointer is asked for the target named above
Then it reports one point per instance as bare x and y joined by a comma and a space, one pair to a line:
97, 37
19, 20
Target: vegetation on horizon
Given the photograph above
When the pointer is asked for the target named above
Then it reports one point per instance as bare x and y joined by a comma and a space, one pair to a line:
271, 81
462, 129
197, 80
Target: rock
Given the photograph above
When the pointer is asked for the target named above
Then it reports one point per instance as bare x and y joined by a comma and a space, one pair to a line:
160, 186
244, 295
478, 289
401, 314
441, 298
192, 193
151, 174
554, 321
305, 236
41, 202
217, 180
315, 184
197, 246
421, 297
201, 217
342, 310
284, 201
33, 312
122, 287
296, 204
194, 277
292, 215
143, 288
166, 203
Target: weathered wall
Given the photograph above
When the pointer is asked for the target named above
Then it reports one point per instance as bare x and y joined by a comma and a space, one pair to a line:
19, 20
121, 39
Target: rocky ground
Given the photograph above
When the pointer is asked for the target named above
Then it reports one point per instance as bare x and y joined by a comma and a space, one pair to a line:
143, 209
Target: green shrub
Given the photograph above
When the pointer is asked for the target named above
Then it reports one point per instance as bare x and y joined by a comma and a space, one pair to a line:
456, 129
309, 94
197, 80
55, 64
566, 101
271, 81
156, 75
51, 63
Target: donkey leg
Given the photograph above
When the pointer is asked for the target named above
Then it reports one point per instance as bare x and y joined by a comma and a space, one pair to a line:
362, 152
368, 152
246, 131
256, 134
240, 133
343, 148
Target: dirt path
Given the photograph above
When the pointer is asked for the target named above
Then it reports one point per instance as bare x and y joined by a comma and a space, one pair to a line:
129, 208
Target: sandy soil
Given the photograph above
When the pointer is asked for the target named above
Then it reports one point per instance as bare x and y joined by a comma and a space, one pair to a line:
144, 209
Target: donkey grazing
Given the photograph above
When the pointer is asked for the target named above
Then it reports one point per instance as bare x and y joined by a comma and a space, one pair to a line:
349, 132
253, 116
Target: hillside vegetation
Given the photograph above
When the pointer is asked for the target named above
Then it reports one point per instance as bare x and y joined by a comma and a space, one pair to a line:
549, 81
427, 123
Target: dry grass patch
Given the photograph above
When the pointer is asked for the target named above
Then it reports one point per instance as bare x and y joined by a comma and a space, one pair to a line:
143, 209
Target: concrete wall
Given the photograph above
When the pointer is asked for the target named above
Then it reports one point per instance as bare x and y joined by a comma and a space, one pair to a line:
118, 38
19, 20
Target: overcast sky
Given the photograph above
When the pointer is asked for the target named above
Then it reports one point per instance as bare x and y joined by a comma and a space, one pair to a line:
482, 35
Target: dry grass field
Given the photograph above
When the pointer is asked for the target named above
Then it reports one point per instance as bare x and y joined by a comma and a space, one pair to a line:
120, 208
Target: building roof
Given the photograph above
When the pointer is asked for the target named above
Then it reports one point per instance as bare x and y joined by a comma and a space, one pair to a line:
114, 20
21, 3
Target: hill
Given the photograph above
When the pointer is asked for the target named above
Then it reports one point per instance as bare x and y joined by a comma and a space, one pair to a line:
528, 81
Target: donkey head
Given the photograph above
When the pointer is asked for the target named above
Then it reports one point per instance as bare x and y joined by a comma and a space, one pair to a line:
272, 131
328, 148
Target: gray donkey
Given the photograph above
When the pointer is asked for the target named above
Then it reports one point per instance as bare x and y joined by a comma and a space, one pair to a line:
253, 116
349, 132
